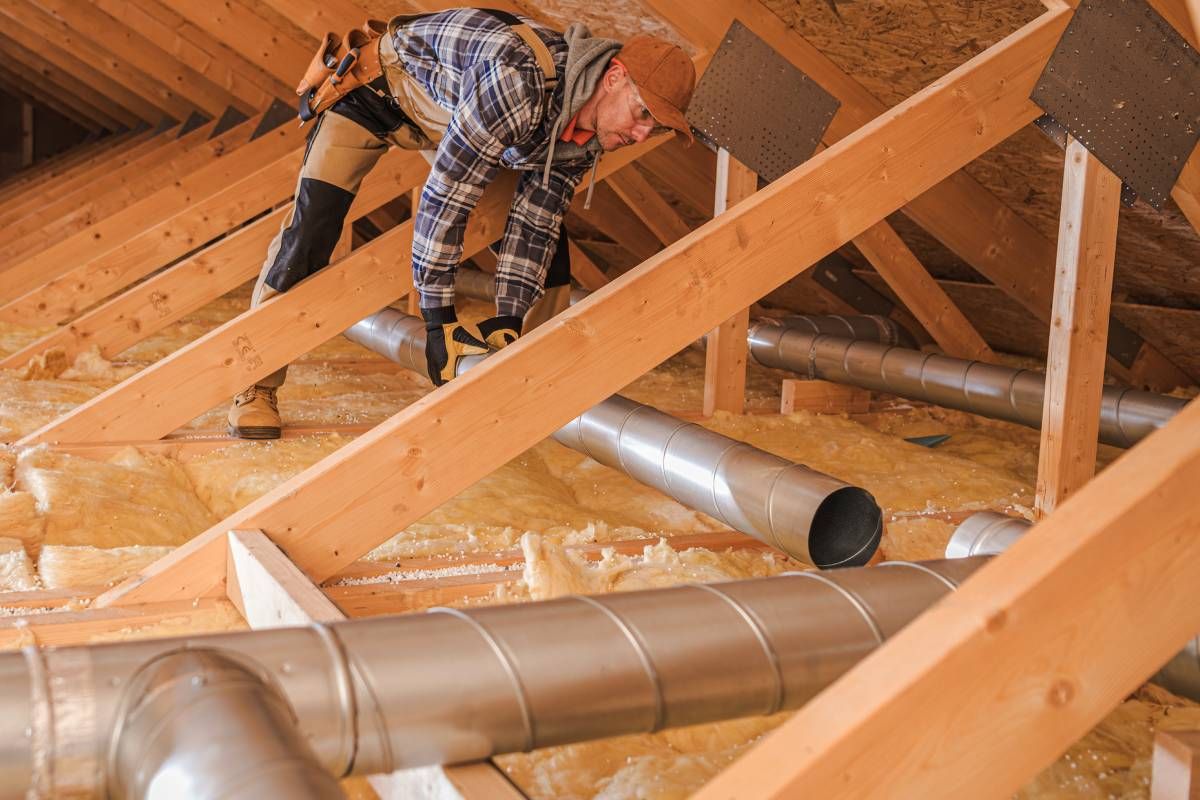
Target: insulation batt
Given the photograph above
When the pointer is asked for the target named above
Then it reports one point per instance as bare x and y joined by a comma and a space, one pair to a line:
90, 523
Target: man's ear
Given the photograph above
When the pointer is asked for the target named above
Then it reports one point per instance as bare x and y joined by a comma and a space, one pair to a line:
614, 77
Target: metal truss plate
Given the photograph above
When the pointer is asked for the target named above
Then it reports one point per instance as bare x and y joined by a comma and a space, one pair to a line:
751, 100
1124, 83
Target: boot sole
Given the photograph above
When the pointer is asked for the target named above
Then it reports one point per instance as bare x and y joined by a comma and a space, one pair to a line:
255, 432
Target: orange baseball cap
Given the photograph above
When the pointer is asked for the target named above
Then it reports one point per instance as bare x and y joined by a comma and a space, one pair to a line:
665, 78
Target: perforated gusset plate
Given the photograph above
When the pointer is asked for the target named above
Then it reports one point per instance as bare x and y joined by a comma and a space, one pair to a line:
754, 103
1124, 83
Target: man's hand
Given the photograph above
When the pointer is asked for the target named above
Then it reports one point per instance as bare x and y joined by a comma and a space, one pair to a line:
499, 332
446, 342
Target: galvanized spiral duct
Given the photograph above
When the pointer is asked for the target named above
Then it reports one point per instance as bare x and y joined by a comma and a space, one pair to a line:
1126, 415
448, 686
807, 514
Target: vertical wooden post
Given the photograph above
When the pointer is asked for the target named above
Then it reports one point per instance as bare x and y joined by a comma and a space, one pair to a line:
725, 358
1175, 770
1087, 242
26, 135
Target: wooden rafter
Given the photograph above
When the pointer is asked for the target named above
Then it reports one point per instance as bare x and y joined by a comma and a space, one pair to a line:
163, 299
37, 93
145, 56
614, 219
200, 51
101, 244
236, 25
1015, 649
111, 191
110, 75
34, 70
648, 205
340, 508
1087, 246
960, 212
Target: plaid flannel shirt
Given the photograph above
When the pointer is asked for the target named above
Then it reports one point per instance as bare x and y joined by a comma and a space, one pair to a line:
471, 64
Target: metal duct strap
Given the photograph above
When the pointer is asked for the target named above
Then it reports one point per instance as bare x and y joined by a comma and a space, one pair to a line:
806, 514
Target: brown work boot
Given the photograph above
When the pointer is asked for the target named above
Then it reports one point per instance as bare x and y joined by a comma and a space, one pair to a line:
255, 414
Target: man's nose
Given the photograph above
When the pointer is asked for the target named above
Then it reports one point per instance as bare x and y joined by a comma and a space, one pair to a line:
641, 133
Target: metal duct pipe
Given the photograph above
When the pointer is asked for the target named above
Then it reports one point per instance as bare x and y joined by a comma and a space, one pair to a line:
506, 678
865, 327
804, 513
991, 533
199, 724
1015, 395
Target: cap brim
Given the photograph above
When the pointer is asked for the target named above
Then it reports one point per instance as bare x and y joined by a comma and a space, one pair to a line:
666, 114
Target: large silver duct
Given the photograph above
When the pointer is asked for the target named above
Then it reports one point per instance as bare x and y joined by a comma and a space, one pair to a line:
457, 685
231, 735
991, 533
804, 513
1016, 395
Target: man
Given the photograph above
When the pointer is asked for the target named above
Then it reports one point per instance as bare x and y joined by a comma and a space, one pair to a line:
483, 90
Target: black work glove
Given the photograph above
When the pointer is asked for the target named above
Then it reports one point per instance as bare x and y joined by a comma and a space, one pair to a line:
446, 342
499, 332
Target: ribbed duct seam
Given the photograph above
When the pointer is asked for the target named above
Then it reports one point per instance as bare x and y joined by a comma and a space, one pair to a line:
1126, 415
507, 679
806, 514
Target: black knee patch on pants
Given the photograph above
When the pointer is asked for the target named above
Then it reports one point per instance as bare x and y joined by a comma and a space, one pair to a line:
307, 244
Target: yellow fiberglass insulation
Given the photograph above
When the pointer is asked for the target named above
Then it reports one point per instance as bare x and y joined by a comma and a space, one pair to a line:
16, 570
131, 499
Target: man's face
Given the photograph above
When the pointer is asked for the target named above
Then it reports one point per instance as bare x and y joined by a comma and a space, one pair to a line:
622, 118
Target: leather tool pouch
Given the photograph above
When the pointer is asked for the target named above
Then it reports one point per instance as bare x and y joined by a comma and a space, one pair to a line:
339, 67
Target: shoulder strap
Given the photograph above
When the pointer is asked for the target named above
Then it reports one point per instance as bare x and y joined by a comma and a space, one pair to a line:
541, 53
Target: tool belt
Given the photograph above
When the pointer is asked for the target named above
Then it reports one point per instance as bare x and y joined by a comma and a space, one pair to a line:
343, 64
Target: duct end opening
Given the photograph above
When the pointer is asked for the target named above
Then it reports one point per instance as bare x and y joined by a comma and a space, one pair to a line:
846, 530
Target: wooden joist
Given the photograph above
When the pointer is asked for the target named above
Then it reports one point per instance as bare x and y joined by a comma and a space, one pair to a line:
237, 25
148, 307
339, 509
122, 152
1043, 641
57, 87
253, 345
200, 51
89, 65
584, 270
960, 212
1087, 246
609, 215
920, 293
167, 75
115, 189
64, 628
648, 205
65, 278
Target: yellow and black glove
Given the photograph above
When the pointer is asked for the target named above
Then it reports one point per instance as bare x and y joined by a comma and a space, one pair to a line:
446, 343
499, 332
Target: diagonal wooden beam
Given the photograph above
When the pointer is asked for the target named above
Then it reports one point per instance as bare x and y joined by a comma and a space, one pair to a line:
960, 212
609, 215
1015, 649
201, 51
165, 73
235, 24
1087, 247
213, 201
133, 90
111, 191
648, 205
126, 239
248, 347
163, 299
46, 95
920, 293
36, 71
345, 505
53, 168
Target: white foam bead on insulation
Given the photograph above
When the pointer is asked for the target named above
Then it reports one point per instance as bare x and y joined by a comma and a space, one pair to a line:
16, 570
